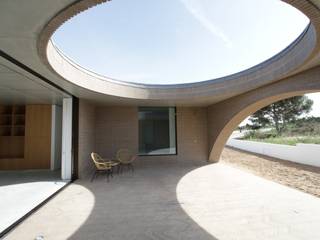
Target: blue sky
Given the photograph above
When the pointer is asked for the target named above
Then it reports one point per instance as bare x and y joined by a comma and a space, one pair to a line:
179, 41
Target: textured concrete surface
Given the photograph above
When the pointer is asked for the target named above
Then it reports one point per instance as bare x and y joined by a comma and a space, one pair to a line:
21, 191
118, 127
176, 200
108, 129
86, 137
231, 204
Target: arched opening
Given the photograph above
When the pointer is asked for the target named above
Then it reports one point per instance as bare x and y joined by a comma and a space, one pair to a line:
227, 115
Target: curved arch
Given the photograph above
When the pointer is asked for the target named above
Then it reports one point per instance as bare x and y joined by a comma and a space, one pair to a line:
291, 60
233, 111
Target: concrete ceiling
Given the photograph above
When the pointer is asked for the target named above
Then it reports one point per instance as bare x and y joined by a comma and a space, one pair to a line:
20, 87
26, 27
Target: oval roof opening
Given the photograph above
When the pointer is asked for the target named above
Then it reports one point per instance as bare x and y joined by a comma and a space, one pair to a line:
178, 41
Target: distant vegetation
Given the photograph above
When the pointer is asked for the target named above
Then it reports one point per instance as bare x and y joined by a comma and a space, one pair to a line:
304, 130
281, 123
281, 113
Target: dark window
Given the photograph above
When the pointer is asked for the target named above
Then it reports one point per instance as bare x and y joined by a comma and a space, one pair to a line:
157, 131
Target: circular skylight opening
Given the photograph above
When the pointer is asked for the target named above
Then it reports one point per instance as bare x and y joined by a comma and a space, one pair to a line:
178, 41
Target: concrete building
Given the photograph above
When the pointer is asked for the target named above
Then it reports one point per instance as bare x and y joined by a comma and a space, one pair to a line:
54, 113
84, 112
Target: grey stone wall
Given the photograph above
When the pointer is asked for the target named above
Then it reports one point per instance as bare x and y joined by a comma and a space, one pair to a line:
116, 127
86, 137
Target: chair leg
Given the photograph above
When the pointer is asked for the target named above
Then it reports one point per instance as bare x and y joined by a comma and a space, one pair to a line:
108, 175
132, 168
93, 176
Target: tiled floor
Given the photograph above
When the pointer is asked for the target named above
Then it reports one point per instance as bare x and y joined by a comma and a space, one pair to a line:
176, 200
21, 191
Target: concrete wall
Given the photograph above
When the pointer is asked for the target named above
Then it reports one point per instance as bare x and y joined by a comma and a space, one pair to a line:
86, 137
107, 129
117, 127
301, 153
192, 134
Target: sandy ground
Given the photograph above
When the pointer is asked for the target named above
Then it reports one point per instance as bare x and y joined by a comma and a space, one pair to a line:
302, 177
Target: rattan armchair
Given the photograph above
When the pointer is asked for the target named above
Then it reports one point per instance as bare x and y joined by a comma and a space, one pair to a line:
126, 158
102, 165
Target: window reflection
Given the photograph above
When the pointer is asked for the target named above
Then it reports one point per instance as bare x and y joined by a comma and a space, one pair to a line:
157, 131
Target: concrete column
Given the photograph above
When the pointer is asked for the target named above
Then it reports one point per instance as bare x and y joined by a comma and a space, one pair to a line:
172, 130
56, 137
66, 165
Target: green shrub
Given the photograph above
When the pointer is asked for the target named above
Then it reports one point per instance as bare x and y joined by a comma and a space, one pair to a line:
259, 134
306, 130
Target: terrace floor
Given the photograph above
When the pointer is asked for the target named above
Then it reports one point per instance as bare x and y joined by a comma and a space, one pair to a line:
176, 200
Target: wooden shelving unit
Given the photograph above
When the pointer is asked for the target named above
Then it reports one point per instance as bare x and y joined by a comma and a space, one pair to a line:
5, 120
12, 131
25, 137
18, 121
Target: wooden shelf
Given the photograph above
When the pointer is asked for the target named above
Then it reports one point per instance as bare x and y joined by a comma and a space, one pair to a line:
12, 131
19, 120
18, 131
19, 110
6, 110
5, 130
25, 137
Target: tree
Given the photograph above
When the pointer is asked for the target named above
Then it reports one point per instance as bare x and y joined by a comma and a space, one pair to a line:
280, 113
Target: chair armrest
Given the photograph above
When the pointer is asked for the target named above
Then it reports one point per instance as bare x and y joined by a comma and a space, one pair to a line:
104, 164
133, 158
114, 163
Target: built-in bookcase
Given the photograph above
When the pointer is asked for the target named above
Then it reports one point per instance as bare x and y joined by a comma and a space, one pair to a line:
12, 131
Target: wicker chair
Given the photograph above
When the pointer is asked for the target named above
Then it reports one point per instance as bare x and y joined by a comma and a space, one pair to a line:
125, 158
102, 166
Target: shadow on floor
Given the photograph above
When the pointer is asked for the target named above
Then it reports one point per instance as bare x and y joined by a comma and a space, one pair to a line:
140, 206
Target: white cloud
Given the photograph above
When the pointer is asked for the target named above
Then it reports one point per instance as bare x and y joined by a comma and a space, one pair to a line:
199, 14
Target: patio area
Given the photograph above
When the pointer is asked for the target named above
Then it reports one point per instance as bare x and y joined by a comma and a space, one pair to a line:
176, 200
